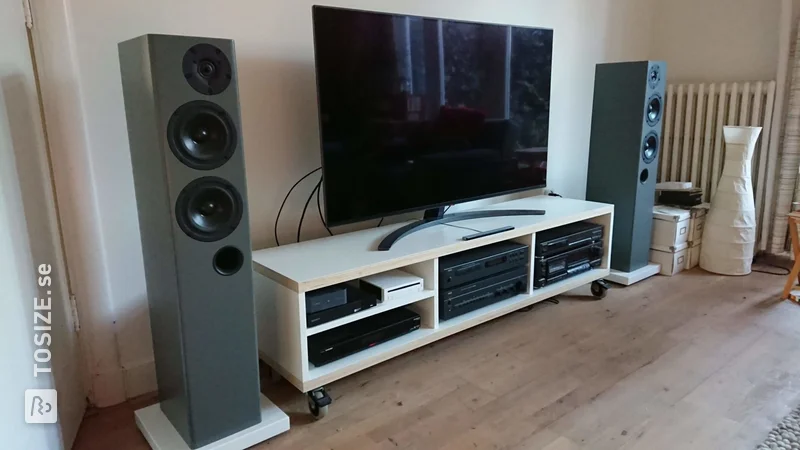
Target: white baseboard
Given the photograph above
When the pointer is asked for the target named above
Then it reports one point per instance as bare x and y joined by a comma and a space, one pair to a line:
140, 378
108, 388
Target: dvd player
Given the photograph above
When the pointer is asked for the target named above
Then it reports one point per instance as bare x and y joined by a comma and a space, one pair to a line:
471, 265
328, 346
496, 288
564, 238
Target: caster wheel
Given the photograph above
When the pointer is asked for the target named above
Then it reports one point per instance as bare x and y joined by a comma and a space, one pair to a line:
599, 289
318, 402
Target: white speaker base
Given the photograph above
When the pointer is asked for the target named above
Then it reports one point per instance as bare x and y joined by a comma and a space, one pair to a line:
161, 435
629, 278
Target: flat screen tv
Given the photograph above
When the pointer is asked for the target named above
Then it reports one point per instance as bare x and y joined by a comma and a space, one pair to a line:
417, 113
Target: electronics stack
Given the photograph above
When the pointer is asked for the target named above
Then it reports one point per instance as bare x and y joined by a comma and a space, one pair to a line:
567, 251
480, 277
341, 300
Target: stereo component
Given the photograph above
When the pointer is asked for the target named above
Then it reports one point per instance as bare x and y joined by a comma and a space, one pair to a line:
331, 345
549, 270
182, 109
470, 265
627, 118
558, 240
486, 291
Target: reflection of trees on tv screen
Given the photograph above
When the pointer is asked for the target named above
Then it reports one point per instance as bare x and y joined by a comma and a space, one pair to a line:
531, 61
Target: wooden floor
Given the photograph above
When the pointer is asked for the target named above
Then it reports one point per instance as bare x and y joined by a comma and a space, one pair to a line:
695, 361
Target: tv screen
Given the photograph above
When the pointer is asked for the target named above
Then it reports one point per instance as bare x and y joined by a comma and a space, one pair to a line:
418, 113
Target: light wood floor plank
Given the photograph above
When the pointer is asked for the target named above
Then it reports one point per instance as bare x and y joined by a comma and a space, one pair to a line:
694, 361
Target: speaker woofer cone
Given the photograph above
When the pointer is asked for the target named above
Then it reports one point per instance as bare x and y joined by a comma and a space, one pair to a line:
209, 209
207, 69
650, 147
653, 110
202, 135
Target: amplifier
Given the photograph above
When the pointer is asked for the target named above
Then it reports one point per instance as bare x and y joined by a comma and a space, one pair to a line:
564, 265
464, 267
564, 238
345, 340
469, 297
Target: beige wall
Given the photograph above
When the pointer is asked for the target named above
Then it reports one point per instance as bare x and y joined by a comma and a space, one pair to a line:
29, 238
278, 102
717, 40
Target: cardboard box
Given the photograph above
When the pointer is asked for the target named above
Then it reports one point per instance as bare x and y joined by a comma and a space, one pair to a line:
672, 263
670, 228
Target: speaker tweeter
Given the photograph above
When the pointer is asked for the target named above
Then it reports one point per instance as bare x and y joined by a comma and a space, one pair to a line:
207, 69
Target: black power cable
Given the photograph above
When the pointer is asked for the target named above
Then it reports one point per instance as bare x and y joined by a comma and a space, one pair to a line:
305, 208
319, 210
277, 219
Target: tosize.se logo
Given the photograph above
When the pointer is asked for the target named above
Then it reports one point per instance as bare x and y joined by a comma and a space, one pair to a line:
41, 406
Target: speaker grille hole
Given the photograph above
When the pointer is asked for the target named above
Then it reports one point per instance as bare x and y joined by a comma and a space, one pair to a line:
202, 135
644, 176
208, 209
207, 69
228, 261
650, 148
654, 110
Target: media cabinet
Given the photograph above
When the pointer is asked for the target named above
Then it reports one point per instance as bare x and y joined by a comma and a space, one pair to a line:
285, 273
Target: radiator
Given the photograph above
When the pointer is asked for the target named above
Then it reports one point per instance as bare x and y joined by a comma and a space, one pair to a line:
692, 146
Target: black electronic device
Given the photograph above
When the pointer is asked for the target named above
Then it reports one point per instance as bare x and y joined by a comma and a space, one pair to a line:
412, 126
685, 198
414, 115
326, 298
357, 300
470, 265
561, 239
548, 270
346, 340
486, 291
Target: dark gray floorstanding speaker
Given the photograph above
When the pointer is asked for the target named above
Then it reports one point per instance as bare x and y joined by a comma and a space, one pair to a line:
182, 108
623, 153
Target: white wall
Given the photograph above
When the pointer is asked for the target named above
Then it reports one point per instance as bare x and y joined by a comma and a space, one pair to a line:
29, 238
278, 102
717, 40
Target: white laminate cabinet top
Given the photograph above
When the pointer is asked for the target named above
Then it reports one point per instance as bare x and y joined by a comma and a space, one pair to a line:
330, 260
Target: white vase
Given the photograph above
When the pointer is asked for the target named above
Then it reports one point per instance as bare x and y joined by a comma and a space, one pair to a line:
730, 232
